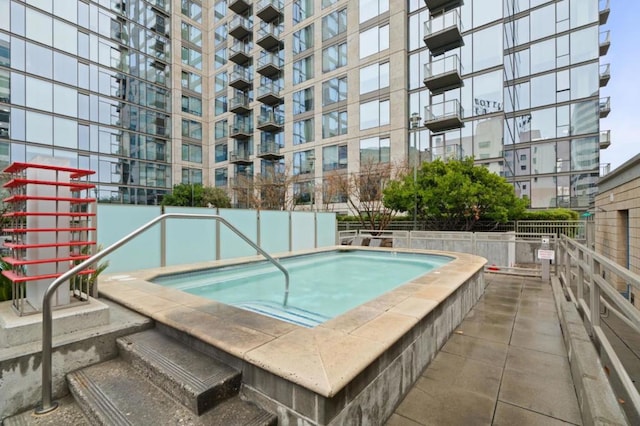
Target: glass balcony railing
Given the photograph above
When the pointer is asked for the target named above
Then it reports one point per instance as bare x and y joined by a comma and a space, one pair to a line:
240, 27
240, 48
269, 63
268, 35
443, 74
443, 32
444, 116
605, 42
605, 139
604, 106
603, 8
270, 120
239, 6
269, 89
268, 10
269, 149
240, 129
239, 102
605, 168
605, 74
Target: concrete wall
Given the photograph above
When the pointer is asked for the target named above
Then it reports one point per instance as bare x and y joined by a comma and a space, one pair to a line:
617, 218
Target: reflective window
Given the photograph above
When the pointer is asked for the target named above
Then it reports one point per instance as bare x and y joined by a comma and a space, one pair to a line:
17, 18
374, 40
303, 101
65, 133
17, 130
65, 69
17, 54
374, 150
303, 39
334, 57
543, 56
220, 57
334, 123
65, 37
65, 100
193, 81
219, 10
193, 58
583, 12
487, 93
486, 11
17, 89
303, 70
543, 22
374, 114
39, 127
584, 117
584, 44
221, 129
543, 124
192, 105
334, 23
585, 81
374, 77
5, 22
302, 9
221, 177
334, 90
543, 90
193, 34
191, 129
334, 157
39, 26
5, 86
220, 34
193, 10
5, 56
303, 131
543, 192
5, 119
192, 176
516, 32
221, 152
192, 153
220, 106
583, 189
303, 162
487, 48
584, 154
327, 3
487, 138
372, 8
39, 60
39, 94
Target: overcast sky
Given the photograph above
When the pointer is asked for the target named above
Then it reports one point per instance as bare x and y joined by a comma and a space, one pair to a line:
624, 86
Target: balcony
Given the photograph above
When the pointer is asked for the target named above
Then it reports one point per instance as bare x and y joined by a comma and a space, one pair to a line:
240, 78
604, 11
239, 104
444, 116
242, 180
240, 27
443, 74
605, 139
443, 32
268, 10
269, 151
239, 6
242, 156
240, 130
269, 64
442, 5
269, 36
240, 53
605, 74
605, 168
270, 122
270, 94
605, 42
604, 106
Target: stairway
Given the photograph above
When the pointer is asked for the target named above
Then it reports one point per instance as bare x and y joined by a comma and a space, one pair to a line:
157, 381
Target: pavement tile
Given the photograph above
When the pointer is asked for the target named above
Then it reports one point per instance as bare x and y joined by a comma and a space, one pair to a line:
496, 318
509, 415
542, 326
436, 403
539, 363
493, 353
539, 342
551, 397
486, 330
397, 420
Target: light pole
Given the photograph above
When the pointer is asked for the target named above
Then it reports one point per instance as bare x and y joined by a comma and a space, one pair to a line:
414, 120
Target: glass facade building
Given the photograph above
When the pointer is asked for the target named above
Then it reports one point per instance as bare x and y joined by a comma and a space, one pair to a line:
152, 93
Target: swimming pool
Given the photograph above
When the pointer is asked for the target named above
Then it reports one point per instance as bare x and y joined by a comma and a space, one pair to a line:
322, 286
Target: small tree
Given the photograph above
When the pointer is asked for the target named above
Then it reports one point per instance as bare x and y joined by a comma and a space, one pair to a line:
195, 195
215, 197
455, 195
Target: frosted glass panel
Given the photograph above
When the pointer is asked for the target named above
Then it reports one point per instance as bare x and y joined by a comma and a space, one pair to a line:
116, 221
230, 244
303, 228
190, 240
274, 231
327, 227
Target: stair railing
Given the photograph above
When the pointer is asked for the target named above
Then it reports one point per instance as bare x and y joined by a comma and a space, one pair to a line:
47, 404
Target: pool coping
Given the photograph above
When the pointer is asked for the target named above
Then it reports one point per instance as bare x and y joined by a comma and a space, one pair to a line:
323, 359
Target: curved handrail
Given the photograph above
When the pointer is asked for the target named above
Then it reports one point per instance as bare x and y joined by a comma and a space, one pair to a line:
47, 405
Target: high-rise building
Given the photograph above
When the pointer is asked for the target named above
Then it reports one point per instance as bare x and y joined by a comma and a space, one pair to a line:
158, 92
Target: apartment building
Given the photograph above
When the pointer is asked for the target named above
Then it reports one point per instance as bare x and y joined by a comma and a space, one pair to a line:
225, 93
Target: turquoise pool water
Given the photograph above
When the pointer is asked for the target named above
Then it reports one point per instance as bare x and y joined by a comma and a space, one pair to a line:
321, 286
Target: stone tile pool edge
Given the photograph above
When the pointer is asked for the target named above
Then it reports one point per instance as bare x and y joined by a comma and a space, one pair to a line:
322, 367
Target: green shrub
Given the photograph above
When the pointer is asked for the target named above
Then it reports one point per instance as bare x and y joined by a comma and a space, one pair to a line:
550, 214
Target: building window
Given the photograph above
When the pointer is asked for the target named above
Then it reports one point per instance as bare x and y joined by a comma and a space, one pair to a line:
221, 152
302, 9
374, 150
303, 39
334, 157
220, 34
374, 40
374, 77
192, 105
303, 131
303, 192
221, 81
303, 70
327, 3
374, 114
192, 81
334, 23
372, 8
221, 129
192, 153
334, 90
303, 162
334, 123
222, 177
220, 10
191, 34
220, 57
192, 176
191, 129
191, 57
334, 57
220, 105
303, 100
192, 10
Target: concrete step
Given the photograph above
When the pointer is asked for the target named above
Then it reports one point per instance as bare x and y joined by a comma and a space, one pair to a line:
114, 392
196, 380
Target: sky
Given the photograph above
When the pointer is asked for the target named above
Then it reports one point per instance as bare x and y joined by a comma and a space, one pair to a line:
624, 86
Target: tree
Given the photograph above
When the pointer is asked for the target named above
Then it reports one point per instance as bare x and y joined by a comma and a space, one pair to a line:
363, 192
195, 195
455, 195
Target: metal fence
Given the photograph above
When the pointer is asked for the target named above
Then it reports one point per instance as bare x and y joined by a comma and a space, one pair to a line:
593, 283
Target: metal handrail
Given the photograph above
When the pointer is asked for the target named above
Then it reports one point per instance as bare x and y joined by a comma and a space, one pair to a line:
47, 405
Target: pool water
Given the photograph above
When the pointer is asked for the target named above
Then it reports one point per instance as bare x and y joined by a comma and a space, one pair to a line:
321, 286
